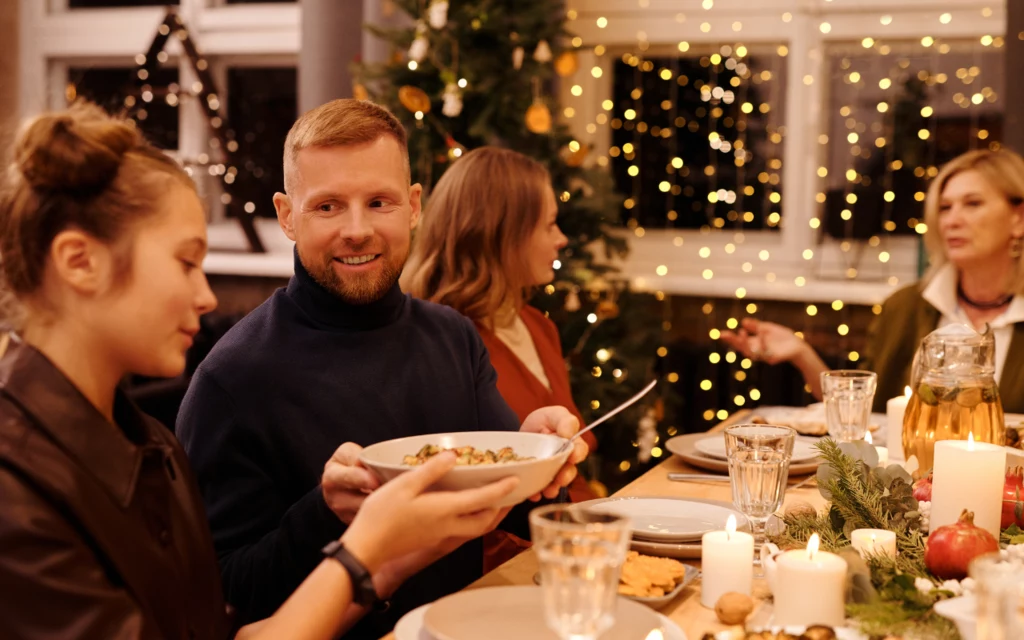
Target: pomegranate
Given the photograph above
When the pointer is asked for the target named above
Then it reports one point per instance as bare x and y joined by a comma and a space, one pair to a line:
1013, 507
951, 548
923, 489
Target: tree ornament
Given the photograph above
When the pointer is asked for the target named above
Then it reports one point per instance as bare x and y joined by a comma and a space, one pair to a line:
437, 14
517, 58
419, 47
578, 157
359, 92
452, 106
414, 99
607, 310
567, 63
538, 117
455, 150
578, 184
542, 53
572, 301
646, 435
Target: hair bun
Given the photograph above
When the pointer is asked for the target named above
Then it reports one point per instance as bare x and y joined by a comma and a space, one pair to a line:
78, 150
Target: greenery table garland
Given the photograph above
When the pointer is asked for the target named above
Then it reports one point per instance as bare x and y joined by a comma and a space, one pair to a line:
887, 597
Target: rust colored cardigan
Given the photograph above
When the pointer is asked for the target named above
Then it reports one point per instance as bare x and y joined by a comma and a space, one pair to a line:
525, 393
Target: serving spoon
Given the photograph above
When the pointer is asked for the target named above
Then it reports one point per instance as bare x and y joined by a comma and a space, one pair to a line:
621, 407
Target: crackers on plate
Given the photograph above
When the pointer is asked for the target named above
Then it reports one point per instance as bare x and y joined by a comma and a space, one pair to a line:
649, 577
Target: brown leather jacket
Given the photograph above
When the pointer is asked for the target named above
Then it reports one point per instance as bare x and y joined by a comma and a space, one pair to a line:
102, 530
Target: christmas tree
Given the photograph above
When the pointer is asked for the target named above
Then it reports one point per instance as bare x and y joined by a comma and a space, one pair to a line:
483, 72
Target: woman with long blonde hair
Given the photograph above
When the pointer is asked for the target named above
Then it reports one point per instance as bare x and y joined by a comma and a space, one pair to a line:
488, 236
975, 217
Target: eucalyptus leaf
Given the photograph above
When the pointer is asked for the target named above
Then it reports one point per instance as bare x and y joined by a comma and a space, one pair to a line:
835, 519
898, 472
825, 474
859, 589
861, 450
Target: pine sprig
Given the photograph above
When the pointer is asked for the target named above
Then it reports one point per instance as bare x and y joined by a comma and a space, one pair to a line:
885, 599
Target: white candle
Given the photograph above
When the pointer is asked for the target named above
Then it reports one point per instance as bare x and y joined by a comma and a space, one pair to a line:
727, 563
810, 587
968, 475
874, 542
883, 452
895, 409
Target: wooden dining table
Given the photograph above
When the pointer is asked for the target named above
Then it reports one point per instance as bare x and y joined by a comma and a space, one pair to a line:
685, 610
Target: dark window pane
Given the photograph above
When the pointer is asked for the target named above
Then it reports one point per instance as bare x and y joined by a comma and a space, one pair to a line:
896, 114
95, 4
697, 141
262, 105
111, 87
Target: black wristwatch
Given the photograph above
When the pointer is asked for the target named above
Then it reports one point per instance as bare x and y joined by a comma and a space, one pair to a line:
363, 592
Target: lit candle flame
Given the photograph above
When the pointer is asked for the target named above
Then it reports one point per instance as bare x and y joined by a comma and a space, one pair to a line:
730, 527
655, 634
868, 439
970, 441
812, 546
907, 392
872, 542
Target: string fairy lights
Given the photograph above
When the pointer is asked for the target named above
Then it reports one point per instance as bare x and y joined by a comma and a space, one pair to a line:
892, 101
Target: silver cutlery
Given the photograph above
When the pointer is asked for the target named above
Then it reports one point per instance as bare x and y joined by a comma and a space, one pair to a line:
697, 477
621, 407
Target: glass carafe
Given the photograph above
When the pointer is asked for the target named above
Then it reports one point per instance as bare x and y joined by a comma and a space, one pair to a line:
954, 393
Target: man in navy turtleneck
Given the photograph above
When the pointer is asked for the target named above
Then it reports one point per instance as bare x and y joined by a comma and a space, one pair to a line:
339, 357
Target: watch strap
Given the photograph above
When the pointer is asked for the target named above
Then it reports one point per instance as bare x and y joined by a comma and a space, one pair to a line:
363, 591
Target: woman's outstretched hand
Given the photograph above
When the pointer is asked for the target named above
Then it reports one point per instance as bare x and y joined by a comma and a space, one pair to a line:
766, 341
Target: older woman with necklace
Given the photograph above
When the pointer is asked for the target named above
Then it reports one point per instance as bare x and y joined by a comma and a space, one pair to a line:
975, 217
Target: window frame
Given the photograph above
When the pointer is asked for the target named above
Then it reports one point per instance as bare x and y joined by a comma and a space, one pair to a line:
802, 155
53, 35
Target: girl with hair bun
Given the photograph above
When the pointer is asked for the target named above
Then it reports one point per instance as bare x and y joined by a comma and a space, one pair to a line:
102, 529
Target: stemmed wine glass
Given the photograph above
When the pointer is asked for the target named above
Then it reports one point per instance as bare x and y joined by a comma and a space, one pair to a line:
759, 458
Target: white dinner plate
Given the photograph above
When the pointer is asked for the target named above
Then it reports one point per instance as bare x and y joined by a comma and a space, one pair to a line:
678, 550
671, 520
714, 447
516, 610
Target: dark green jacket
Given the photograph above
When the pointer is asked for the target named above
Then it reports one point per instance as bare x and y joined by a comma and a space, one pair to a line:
896, 333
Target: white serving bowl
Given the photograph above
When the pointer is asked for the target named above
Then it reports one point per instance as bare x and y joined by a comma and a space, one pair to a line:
963, 612
385, 460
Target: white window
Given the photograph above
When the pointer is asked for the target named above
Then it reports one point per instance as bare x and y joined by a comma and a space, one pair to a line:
810, 256
807, 253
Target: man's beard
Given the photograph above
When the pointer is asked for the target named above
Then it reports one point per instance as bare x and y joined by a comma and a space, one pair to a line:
361, 289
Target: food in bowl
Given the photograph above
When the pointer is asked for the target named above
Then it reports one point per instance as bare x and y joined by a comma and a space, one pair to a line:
467, 456
540, 458
648, 576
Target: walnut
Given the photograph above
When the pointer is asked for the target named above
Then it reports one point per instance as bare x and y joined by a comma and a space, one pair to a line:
799, 508
819, 632
733, 608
